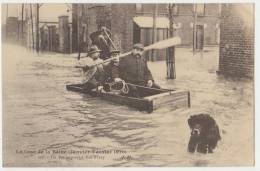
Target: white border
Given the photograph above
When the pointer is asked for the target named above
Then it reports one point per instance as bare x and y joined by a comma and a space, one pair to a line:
128, 1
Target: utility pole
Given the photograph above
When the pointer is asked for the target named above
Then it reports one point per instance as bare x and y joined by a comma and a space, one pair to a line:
153, 56
170, 59
6, 29
78, 30
22, 24
80, 37
87, 29
194, 28
32, 26
37, 28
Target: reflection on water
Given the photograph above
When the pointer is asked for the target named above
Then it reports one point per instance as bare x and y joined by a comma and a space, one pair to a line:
39, 114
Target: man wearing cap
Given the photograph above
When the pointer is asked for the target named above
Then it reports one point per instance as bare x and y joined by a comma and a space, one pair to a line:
111, 70
133, 68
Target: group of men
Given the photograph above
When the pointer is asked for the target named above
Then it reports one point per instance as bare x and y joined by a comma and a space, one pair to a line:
130, 69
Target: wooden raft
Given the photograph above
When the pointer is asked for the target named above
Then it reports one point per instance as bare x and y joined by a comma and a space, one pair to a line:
150, 99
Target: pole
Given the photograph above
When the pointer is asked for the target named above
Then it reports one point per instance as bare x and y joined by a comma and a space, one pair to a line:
32, 26
170, 60
83, 29
27, 37
80, 19
6, 26
154, 30
22, 23
87, 26
194, 28
78, 32
37, 28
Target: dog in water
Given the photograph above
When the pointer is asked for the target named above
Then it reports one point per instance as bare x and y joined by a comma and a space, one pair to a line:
204, 133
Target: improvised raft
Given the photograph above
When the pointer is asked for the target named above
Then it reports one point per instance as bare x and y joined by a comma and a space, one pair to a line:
149, 100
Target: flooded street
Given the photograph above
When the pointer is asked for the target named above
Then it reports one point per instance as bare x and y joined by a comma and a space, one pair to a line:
46, 125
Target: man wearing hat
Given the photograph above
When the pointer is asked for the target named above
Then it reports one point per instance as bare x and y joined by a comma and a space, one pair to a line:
98, 76
104, 71
133, 68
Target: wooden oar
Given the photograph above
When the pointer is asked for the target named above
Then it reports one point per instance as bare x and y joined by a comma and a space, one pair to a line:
158, 45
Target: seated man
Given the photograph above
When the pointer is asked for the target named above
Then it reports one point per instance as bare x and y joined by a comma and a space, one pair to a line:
111, 69
133, 69
94, 76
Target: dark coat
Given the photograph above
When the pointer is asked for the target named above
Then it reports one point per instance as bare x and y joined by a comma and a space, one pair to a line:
134, 70
111, 71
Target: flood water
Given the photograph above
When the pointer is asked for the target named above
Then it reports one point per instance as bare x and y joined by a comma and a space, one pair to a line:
46, 125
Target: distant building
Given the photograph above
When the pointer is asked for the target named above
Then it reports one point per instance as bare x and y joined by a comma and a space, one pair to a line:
12, 29
131, 23
237, 40
52, 30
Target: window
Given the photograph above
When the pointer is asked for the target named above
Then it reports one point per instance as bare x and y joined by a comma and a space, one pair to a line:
200, 9
139, 7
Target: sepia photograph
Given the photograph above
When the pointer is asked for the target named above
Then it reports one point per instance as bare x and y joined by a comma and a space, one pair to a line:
128, 84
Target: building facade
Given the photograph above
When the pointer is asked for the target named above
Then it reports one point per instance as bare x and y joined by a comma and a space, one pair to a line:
237, 40
131, 23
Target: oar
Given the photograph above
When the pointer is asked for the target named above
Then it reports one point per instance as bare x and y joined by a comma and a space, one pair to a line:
158, 45
164, 43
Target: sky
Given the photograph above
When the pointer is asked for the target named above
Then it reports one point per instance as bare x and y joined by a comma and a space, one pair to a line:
48, 12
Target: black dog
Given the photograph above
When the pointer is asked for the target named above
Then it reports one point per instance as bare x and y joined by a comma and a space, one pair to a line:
204, 133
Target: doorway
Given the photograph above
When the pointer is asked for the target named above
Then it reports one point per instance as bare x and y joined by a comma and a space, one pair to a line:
199, 37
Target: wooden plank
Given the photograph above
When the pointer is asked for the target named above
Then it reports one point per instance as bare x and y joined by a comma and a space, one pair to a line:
140, 104
172, 99
180, 103
176, 93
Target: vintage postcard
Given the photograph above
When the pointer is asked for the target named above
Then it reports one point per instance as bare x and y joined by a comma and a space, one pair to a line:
128, 85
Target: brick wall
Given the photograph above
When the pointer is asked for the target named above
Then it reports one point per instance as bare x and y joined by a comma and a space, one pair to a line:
237, 40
